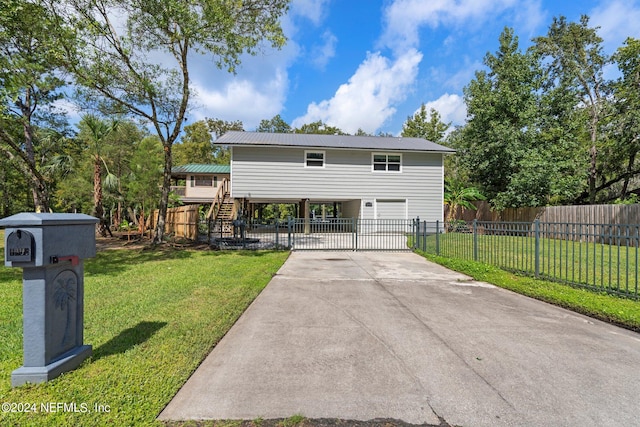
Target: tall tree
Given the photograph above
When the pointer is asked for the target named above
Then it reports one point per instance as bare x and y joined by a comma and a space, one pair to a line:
499, 138
425, 125
114, 66
95, 131
575, 62
29, 83
627, 109
274, 125
196, 145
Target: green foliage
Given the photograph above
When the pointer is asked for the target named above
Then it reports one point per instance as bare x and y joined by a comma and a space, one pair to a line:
631, 199
457, 194
499, 135
274, 125
143, 182
626, 121
112, 68
428, 126
573, 64
196, 145
320, 128
151, 316
30, 49
542, 128
221, 154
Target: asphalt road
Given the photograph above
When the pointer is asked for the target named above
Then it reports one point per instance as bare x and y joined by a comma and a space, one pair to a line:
369, 335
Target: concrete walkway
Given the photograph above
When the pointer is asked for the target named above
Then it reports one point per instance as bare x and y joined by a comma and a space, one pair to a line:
389, 335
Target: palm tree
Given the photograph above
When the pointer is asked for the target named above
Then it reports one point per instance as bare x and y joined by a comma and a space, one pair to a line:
98, 131
456, 193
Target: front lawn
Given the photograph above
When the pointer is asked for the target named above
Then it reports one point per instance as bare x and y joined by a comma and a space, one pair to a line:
151, 317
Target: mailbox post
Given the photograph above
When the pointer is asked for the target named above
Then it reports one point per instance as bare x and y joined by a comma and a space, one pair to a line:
50, 248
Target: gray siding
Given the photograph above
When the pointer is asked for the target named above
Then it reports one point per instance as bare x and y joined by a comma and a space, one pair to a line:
279, 173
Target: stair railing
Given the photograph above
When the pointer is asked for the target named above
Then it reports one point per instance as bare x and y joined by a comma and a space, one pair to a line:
223, 190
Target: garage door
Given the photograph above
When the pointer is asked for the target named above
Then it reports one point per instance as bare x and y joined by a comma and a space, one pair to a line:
391, 209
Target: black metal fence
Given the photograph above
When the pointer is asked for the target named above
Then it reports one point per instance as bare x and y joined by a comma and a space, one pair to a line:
602, 257
337, 234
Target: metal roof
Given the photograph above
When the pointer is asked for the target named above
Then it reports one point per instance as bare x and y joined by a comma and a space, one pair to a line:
200, 168
331, 141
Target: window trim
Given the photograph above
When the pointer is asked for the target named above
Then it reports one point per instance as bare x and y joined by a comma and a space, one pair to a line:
386, 162
306, 159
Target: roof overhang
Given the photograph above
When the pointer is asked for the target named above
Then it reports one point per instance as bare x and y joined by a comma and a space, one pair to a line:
344, 142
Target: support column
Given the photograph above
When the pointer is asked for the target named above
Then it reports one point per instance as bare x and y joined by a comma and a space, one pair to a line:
307, 216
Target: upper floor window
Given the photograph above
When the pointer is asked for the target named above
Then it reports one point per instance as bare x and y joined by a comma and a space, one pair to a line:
387, 162
314, 159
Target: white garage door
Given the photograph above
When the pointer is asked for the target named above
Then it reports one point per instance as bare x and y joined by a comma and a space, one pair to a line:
391, 209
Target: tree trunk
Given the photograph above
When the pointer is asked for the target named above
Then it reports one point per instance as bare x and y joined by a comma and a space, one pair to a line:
164, 199
38, 186
625, 185
98, 209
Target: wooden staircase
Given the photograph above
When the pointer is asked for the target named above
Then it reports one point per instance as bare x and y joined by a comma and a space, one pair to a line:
226, 210
223, 208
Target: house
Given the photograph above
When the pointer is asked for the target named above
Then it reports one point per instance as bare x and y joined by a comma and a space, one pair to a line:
365, 177
197, 183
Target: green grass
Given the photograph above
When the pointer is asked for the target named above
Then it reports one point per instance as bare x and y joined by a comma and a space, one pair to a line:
621, 311
151, 317
601, 267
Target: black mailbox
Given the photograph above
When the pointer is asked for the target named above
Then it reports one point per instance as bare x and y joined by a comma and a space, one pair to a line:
20, 246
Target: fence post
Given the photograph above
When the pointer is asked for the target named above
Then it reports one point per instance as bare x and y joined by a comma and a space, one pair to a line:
437, 237
277, 236
424, 237
536, 227
354, 230
289, 232
416, 237
475, 239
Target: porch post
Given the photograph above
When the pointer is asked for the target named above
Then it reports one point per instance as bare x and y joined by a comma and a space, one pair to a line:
307, 215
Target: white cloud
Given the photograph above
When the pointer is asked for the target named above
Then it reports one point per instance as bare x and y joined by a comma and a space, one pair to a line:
617, 21
67, 107
241, 99
529, 18
314, 10
451, 108
321, 55
366, 100
403, 18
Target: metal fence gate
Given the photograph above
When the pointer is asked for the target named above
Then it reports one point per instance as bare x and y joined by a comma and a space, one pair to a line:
334, 234
350, 234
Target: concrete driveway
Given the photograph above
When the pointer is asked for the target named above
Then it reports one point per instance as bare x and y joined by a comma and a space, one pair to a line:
389, 335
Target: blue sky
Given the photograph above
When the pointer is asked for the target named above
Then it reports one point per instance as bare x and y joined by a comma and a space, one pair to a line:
370, 64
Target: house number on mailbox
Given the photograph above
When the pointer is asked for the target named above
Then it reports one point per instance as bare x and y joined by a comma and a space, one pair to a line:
20, 246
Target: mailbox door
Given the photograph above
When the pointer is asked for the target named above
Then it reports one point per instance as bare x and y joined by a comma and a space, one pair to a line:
19, 246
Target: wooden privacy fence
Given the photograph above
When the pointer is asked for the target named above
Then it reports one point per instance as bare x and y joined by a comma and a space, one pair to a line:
586, 214
181, 221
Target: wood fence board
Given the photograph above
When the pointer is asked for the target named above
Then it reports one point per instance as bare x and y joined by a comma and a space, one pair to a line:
181, 221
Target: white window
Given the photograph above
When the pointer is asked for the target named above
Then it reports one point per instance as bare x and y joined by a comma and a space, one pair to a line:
383, 162
313, 159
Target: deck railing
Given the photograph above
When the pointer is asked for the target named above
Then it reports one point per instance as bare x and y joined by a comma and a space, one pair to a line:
223, 190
